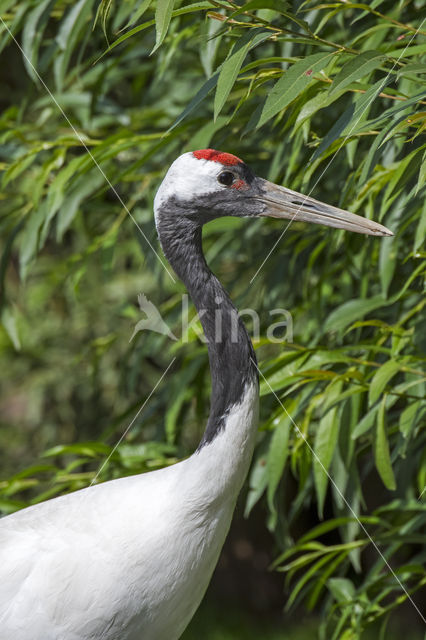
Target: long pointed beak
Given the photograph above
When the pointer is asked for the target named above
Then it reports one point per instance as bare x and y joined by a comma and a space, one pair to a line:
285, 203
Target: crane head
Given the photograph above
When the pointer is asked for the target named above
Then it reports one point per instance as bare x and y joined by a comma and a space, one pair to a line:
206, 184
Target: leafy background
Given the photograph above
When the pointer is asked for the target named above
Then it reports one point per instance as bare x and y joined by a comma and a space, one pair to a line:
328, 98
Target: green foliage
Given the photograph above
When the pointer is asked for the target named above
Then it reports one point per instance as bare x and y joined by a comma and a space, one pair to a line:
326, 98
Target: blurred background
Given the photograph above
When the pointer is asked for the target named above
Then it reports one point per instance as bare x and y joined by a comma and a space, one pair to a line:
328, 99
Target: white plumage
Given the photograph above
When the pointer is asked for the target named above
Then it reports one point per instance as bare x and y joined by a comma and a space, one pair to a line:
78, 567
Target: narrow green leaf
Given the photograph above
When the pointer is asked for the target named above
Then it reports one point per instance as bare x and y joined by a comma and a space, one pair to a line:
32, 35
325, 444
373, 153
8, 320
301, 561
126, 36
329, 525
404, 170
211, 33
381, 449
231, 67
323, 577
292, 83
10, 506
4, 262
407, 52
80, 191
307, 575
319, 101
342, 589
365, 424
285, 369
14, 25
102, 14
257, 483
68, 34
412, 67
253, 5
358, 308
407, 420
30, 239
196, 100
172, 415
336, 130
345, 125
279, 6
422, 173
32, 470
16, 168
421, 228
356, 68
372, 5
196, 6
202, 139
381, 378
139, 12
163, 15
91, 449
227, 76
277, 456
388, 260
389, 113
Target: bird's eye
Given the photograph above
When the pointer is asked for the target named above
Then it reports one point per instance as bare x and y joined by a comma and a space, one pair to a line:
226, 178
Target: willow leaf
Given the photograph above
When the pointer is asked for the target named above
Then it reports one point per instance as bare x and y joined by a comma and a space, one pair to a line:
365, 423
345, 125
341, 588
277, 456
355, 68
358, 308
231, 67
163, 15
381, 449
324, 445
380, 379
32, 35
292, 83
68, 35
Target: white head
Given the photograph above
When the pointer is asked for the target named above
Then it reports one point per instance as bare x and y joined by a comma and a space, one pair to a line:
200, 173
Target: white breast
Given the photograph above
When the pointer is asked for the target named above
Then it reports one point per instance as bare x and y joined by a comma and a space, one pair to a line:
129, 559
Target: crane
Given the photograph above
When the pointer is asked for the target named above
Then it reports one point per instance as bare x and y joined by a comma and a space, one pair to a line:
130, 559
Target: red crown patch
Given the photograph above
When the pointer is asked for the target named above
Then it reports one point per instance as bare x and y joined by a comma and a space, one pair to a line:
216, 156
